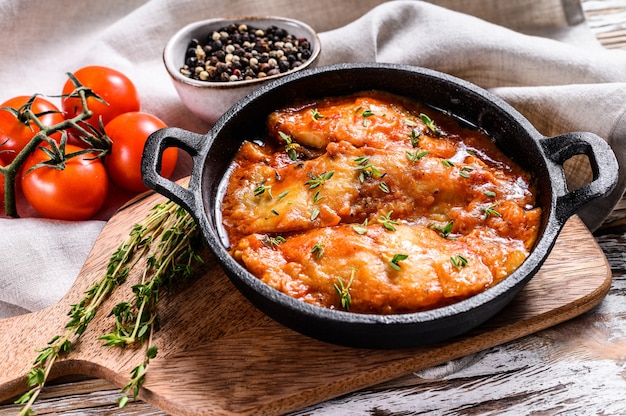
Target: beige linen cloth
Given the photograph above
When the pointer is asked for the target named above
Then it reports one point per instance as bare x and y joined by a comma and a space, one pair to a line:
538, 56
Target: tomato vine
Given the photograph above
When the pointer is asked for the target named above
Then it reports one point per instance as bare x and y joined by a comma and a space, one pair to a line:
90, 136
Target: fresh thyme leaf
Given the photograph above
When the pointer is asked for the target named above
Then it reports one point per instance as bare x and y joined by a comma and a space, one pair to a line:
447, 163
273, 211
314, 213
445, 230
273, 242
361, 229
428, 122
318, 251
285, 137
387, 222
396, 259
317, 198
458, 261
366, 114
490, 194
491, 210
414, 137
291, 147
384, 187
367, 170
362, 160
316, 181
152, 352
345, 298
417, 155
260, 190
316, 114
464, 171
283, 194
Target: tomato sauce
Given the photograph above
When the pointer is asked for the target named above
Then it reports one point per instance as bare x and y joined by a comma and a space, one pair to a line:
373, 203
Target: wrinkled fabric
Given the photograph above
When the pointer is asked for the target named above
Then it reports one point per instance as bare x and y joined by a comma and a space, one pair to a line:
538, 56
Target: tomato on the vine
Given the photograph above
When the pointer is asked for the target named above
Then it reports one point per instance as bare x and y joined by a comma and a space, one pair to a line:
2, 180
16, 130
112, 86
74, 193
129, 132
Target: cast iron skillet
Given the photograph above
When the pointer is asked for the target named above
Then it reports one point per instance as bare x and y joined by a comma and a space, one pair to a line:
542, 156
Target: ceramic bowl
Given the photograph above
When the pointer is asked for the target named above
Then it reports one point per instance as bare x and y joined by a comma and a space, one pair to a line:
542, 156
209, 100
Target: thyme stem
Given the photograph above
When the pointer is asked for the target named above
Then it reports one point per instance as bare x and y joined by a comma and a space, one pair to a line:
172, 256
176, 236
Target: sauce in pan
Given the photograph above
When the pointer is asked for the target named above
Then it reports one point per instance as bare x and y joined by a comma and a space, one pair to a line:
375, 204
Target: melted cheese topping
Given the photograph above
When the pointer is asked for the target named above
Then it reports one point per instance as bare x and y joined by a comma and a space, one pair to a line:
367, 203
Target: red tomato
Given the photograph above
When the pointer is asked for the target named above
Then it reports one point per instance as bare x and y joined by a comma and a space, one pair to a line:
129, 133
112, 86
74, 193
16, 132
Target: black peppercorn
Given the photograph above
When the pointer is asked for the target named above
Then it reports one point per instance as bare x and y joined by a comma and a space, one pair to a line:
238, 51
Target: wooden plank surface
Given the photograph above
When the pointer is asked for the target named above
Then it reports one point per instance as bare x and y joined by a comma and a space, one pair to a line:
572, 368
236, 360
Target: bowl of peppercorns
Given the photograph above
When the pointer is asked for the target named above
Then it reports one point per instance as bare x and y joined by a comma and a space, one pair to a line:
214, 63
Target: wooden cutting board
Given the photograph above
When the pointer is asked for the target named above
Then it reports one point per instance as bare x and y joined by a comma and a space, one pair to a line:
219, 355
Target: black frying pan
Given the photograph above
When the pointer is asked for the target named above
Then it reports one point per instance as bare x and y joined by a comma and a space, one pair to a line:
513, 134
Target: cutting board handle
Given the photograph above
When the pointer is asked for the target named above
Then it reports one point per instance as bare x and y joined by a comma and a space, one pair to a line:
21, 336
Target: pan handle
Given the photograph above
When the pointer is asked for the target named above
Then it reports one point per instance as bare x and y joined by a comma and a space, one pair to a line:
195, 145
603, 163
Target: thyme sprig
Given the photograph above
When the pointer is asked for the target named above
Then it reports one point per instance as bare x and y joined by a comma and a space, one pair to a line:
445, 230
343, 290
83, 312
414, 135
163, 232
315, 114
318, 251
459, 261
173, 254
172, 258
366, 169
387, 222
319, 180
261, 188
291, 147
432, 127
491, 210
273, 242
